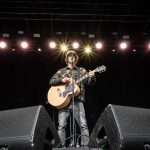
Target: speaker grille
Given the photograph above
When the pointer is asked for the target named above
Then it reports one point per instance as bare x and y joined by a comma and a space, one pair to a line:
131, 120
27, 129
18, 122
125, 128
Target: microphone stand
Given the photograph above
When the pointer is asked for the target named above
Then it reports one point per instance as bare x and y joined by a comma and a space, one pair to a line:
73, 117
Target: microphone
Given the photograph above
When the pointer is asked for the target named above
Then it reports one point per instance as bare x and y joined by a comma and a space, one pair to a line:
72, 55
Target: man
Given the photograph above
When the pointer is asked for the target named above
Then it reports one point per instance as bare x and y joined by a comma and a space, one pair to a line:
63, 76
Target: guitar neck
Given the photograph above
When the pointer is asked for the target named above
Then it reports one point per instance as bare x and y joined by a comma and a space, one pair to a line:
83, 78
98, 69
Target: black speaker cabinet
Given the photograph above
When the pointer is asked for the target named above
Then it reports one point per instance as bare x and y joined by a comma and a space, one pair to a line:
29, 128
122, 128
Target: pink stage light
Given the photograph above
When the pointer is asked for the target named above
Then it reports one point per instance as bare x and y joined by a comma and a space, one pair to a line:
148, 46
24, 44
123, 45
75, 45
3, 44
98, 45
52, 45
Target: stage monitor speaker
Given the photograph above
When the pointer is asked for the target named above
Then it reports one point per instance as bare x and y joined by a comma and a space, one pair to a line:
29, 128
122, 128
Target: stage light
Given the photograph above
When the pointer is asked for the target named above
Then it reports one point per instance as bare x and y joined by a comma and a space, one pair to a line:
52, 45
63, 47
134, 50
75, 45
148, 46
3, 44
114, 33
24, 44
39, 49
5, 35
87, 52
58, 33
123, 45
36, 35
21, 32
91, 36
88, 49
126, 37
98, 45
83, 33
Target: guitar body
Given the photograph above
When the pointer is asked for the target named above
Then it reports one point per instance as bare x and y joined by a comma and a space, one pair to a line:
60, 96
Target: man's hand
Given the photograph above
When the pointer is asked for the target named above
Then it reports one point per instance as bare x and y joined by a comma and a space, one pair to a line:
91, 74
66, 80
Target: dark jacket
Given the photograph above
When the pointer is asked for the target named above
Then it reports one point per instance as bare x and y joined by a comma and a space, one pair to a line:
76, 73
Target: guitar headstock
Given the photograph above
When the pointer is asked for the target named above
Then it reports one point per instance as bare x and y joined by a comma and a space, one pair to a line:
100, 69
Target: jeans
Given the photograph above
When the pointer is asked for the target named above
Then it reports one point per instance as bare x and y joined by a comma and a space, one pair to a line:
79, 114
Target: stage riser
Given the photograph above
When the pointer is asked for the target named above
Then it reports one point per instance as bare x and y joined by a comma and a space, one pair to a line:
74, 148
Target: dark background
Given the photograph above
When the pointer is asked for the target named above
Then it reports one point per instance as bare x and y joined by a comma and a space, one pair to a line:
24, 76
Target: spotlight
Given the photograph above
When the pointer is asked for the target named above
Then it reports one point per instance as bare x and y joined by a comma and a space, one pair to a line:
91, 36
24, 44
134, 50
148, 46
63, 47
88, 49
52, 45
3, 44
36, 35
126, 36
98, 45
123, 45
58, 33
75, 45
39, 49
83, 33
21, 32
5, 35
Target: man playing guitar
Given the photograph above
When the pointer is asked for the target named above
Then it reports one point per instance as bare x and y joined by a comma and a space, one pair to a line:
63, 77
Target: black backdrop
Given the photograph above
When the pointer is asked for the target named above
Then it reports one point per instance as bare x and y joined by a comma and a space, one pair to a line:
24, 80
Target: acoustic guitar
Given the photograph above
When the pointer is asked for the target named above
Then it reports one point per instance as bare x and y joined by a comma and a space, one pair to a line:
59, 96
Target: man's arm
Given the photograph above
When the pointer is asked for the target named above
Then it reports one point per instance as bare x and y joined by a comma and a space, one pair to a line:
91, 80
56, 78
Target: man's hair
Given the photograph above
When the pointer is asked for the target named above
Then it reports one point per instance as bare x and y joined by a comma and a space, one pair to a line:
71, 53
